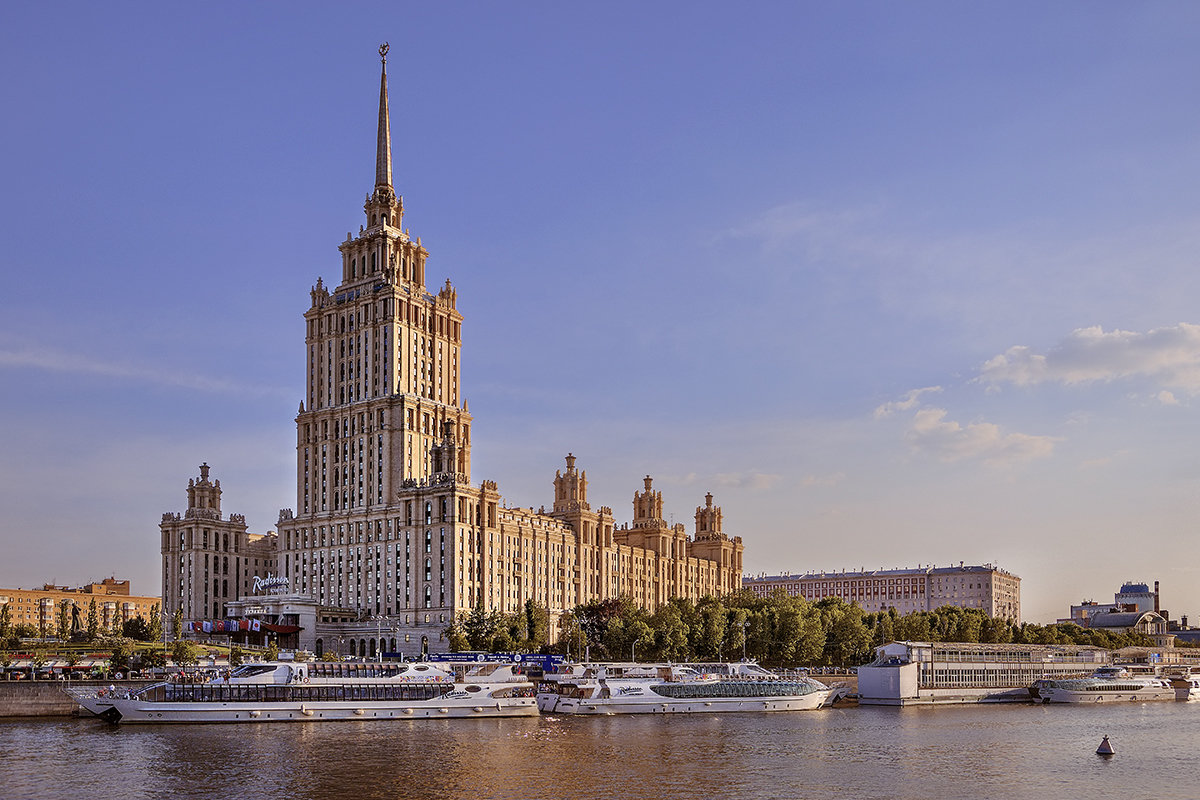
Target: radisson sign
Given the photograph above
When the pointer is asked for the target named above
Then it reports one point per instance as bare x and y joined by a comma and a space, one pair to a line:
272, 584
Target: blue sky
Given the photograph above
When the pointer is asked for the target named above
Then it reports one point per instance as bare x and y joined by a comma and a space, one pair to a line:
900, 284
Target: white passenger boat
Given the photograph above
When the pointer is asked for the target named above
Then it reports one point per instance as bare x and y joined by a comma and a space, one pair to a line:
674, 689
92, 699
1106, 685
1186, 685
314, 692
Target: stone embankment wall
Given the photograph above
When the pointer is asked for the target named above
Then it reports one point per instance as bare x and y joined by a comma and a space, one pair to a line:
47, 698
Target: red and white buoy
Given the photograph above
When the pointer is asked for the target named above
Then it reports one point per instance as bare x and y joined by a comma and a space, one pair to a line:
1105, 750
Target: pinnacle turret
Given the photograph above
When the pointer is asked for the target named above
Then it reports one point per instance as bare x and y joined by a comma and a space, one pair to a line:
383, 149
383, 207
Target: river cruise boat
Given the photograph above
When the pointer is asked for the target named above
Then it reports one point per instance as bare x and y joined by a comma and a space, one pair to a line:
1186, 685
93, 699
1109, 684
675, 689
320, 691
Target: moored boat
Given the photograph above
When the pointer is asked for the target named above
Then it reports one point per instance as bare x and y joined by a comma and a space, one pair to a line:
674, 689
1186, 685
1112, 683
311, 692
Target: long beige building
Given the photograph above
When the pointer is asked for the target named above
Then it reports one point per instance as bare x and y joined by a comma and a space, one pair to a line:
988, 588
388, 529
40, 607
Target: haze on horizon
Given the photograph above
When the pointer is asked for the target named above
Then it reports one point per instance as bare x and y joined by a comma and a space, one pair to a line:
900, 284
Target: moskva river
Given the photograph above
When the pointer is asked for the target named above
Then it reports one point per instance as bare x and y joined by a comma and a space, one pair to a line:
952, 752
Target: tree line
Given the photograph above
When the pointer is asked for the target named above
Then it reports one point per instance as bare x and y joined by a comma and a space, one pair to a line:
780, 630
90, 628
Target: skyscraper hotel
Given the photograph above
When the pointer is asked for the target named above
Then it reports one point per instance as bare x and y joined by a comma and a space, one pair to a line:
389, 539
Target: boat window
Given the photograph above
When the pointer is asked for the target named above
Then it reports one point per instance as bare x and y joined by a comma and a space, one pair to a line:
252, 669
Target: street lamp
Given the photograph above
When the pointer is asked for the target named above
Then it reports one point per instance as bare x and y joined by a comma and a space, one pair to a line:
633, 651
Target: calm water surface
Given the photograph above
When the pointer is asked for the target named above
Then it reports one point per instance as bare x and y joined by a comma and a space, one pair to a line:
953, 752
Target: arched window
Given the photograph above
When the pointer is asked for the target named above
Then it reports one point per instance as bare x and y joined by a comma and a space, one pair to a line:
428, 600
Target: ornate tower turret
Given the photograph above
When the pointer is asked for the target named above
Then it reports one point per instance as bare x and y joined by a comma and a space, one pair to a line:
708, 520
383, 207
204, 494
648, 507
570, 488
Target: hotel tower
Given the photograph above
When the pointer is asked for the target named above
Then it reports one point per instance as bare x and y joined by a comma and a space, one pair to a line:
389, 537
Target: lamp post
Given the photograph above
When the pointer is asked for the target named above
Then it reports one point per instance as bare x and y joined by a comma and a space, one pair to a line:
633, 651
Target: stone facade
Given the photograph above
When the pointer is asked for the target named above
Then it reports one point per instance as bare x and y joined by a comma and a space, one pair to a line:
389, 534
991, 589
208, 559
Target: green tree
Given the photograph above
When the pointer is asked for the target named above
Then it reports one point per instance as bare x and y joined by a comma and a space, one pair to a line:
236, 655
885, 628
847, 639
156, 623
457, 640
272, 652
138, 628
93, 621
480, 628
711, 628
154, 658
177, 624
737, 627
185, 653
5, 621
116, 625
63, 618
670, 633
122, 650
537, 625
571, 637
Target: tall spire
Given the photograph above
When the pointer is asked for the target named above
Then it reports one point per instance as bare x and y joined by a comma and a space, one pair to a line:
383, 150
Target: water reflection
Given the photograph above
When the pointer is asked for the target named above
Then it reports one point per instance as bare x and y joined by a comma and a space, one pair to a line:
971, 751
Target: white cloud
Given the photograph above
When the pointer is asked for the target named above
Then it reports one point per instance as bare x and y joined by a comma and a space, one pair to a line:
948, 440
1170, 356
793, 225
755, 481
832, 479
51, 360
911, 400
1167, 398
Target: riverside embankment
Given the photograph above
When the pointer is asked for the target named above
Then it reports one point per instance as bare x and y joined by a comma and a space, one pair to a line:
46, 698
